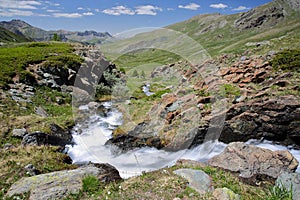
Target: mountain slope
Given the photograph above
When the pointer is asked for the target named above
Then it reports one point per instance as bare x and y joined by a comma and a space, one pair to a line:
267, 27
7, 37
219, 33
20, 27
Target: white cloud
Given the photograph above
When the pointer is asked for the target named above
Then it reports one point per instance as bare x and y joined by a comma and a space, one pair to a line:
170, 9
67, 15
97, 10
191, 6
240, 8
32, 5
218, 6
88, 14
147, 10
119, 10
80, 8
15, 12
52, 11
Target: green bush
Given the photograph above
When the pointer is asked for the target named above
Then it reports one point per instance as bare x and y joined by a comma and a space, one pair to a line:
287, 60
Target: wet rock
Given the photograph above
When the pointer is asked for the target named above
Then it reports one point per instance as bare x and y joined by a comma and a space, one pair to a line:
253, 163
225, 194
198, 180
57, 185
128, 142
19, 132
290, 181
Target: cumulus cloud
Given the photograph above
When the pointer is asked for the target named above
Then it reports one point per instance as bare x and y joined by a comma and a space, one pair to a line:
139, 10
147, 10
191, 6
218, 6
15, 12
88, 14
80, 8
240, 8
119, 10
67, 15
31, 5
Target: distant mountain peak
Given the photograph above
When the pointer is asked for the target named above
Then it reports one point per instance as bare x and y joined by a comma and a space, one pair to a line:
20, 27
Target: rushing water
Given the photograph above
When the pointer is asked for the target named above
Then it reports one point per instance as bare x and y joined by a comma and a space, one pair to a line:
146, 90
91, 135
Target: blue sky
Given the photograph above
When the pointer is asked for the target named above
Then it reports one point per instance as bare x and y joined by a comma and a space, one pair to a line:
114, 16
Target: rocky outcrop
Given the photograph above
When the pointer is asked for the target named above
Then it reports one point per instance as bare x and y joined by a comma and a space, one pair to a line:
247, 70
57, 185
275, 119
57, 137
39, 138
255, 18
254, 164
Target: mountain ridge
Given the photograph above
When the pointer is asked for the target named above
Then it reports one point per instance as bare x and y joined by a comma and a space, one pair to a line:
20, 27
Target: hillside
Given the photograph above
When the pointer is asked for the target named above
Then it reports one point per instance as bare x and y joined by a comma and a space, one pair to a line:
267, 27
20, 27
8, 37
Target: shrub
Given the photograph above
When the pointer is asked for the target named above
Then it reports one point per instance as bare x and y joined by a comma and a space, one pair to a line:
287, 60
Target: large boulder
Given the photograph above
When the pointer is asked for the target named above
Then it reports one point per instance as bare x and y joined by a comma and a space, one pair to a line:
57, 185
254, 163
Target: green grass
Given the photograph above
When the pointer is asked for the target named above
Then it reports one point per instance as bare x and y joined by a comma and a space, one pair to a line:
44, 158
16, 58
164, 184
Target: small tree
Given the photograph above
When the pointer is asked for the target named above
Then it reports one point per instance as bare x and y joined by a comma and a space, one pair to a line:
135, 73
143, 75
56, 37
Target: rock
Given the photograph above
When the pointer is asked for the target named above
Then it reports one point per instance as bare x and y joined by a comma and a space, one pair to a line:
64, 134
254, 163
290, 181
57, 185
40, 111
8, 146
198, 180
19, 132
39, 138
31, 170
225, 194
126, 142
273, 119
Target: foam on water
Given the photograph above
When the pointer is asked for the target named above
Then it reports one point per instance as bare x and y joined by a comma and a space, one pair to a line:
90, 146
